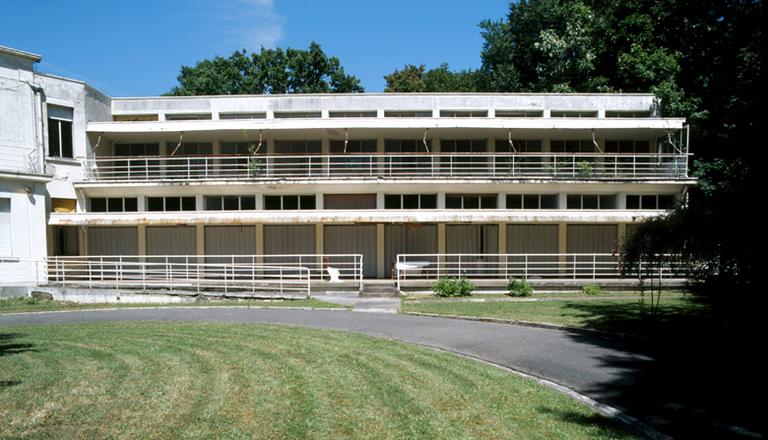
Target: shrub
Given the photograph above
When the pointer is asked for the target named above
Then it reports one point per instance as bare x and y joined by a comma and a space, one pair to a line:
453, 287
517, 287
590, 289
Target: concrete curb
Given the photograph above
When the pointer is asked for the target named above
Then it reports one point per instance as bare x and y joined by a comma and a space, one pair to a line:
112, 309
544, 325
609, 411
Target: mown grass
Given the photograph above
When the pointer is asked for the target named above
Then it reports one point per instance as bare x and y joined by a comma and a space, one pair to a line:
626, 315
214, 380
28, 304
542, 295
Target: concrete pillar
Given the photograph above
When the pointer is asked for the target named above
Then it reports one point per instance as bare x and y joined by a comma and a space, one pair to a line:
380, 140
621, 200
621, 232
562, 244
259, 231
49, 244
546, 145
320, 247
380, 258
502, 238
441, 201
199, 203
200, 242
318, 202
501, 201
441, 246
562, 200
380, 200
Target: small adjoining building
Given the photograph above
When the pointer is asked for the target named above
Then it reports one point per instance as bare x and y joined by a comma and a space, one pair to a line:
498, 182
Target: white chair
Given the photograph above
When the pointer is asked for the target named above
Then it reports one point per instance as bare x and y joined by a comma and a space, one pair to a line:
334, 274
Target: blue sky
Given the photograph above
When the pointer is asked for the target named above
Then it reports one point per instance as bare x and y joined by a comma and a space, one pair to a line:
136, 47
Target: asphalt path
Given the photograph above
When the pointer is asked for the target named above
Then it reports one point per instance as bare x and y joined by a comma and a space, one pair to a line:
591, 365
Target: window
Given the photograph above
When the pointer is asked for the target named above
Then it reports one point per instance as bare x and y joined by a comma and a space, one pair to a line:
521, 146
354, 146
137, 149
188, 117
410, 201
230, 203
257, 115
628, 114
463, 146
190, 148
641, 146
114, 204
343, 114
463, 113
297, 115
573, 114
5, 226
135, 118
573, 146
651, 201
240, 147
470, 201
170, 204
349, 201
59, 131
591, 201
519, 113
406, 145
297, 147
531, 201
407, 113
289, 202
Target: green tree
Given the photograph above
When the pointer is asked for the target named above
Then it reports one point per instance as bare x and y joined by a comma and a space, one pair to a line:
412, 79
270, 71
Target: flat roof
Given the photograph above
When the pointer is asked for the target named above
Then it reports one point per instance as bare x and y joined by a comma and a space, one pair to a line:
20, 54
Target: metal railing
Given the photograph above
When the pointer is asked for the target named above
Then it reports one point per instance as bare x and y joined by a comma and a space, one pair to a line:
283, 275
527, 266
389, 166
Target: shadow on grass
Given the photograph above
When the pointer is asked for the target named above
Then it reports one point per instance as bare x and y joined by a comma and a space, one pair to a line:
9, 346
690, 377
592, 420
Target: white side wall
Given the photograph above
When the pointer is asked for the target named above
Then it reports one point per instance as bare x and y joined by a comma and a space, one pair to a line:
28, 242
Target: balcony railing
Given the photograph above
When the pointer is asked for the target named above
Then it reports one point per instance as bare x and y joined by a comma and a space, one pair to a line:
388, 166
531, 266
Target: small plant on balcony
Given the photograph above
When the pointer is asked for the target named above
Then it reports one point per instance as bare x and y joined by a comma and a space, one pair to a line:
585, 168
519, 288
446, 287
256, 165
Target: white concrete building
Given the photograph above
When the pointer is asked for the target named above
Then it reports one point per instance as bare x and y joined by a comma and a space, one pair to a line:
486, 185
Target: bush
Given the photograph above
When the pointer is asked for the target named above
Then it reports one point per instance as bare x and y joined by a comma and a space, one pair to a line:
453, 287
590, 289
517, 287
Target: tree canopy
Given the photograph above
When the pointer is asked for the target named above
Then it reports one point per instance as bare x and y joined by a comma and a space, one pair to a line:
270, 71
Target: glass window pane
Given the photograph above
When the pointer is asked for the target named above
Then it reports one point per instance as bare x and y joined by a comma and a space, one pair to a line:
272, 202
589, 201
99, 205
410, 201
488, 202
173, 204
633, 202
248, 202
131, 204
549, 201
666, 201
453, 202
429, 201
471, 202
514, 201
531, 201
114, 205
392, 201
608, 202
307, 202
188, 204
291, 202
66, 139
213, 203
154, 203
648, 202
574, 201
230, 203
54, 148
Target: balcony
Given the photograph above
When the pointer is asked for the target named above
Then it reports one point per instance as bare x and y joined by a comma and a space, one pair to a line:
437, 166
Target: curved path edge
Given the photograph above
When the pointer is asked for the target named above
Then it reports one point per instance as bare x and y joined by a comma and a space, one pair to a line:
572, 363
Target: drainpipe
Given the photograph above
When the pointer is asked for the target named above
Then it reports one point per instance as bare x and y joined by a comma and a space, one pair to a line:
37, 106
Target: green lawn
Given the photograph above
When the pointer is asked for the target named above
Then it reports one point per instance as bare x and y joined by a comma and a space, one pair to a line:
626, 315
213, 380
26, 304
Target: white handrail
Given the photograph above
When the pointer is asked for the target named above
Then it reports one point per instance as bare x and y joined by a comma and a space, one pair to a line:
390, 166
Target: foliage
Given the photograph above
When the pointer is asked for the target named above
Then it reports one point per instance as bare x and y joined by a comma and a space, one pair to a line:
417, 79
271, 71
453, 287
519, 288
590, 289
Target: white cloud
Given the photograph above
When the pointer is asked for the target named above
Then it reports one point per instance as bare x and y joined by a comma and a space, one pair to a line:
250, 24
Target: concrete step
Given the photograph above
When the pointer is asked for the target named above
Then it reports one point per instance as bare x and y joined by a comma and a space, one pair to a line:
378, 289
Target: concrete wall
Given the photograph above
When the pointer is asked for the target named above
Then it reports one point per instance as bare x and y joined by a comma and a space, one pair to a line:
28, 232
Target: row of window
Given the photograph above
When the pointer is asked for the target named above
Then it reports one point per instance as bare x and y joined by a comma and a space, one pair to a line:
391, 201
501, 113
390, 146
